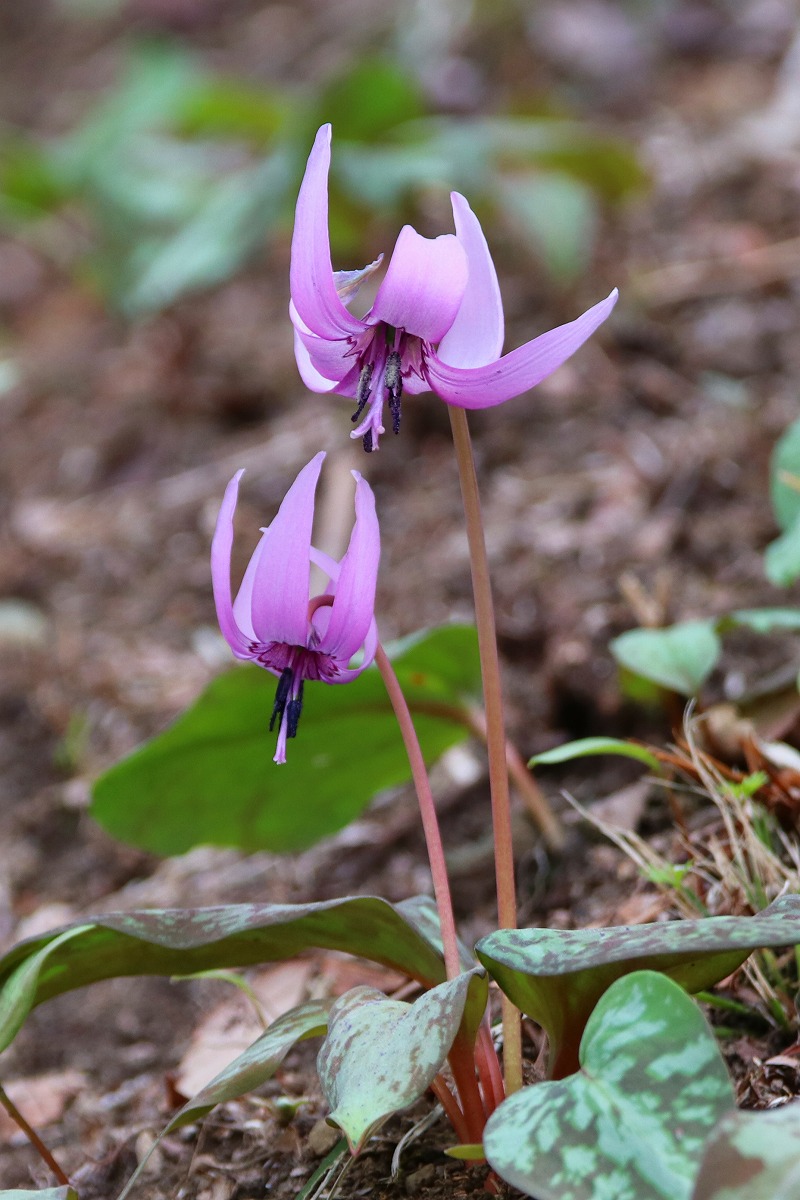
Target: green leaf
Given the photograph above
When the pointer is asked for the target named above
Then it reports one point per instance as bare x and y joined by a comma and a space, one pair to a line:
586, 747
59, 1193
370, 99
231, 108
785, 477
680, 657
557, 976
556, 214
255, 1066
210, 777
753, 1156
182, 941
764, 620
381, 1055
632, 1123
782, 557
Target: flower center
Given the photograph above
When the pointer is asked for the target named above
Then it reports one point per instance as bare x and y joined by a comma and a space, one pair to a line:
382, 360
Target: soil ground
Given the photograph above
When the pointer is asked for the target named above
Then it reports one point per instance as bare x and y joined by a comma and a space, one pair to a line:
631, 486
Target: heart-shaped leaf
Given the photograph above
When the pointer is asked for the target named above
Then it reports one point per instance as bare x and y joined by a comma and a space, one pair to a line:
679, 658
753, 1156
255, 1066
181, 941
381, 1055
557, 976
210, 779
632, 1123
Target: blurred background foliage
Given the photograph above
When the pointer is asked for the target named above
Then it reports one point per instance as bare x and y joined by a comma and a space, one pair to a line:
175, 173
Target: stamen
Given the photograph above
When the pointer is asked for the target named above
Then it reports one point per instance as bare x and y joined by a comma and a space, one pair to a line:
293, 711
393, 382
363, 390
282, 694
367, 441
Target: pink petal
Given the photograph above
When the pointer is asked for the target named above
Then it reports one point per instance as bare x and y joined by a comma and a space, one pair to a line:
348, 674
221, 547
280, 589
311, 275
354, 604
423, 286
332, 359
476, 335
515, 373
308, 372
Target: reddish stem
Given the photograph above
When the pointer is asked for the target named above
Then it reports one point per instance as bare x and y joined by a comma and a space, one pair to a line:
450, 1105
495, 724
32, 1136
489, 1068
430, 821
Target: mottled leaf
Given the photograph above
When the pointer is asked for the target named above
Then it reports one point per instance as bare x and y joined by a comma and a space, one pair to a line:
753, 1156
585, 747
210, 777
632, 1123
255, 1066
680, 657
381, 1055
181, 941
557, 976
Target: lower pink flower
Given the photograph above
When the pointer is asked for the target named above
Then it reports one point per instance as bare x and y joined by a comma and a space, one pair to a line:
273, 622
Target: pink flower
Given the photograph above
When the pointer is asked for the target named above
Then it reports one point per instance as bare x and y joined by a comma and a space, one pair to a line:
436, 324
273, 623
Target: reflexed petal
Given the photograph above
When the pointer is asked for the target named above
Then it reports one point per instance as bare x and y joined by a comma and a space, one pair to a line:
330, 358
423, 286
476, 335
348, 283
221, 547
243, 604
354, 603
311, 275
308, 372
280, 590
515, 373
348, 674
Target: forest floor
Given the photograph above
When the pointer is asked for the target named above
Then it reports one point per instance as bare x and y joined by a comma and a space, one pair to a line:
631, 487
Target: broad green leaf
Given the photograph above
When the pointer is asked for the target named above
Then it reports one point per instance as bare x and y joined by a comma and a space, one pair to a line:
785, 477
586, 747
231, 108
381, 1055
20, 982
753, 1156
255, 1066
556, 214
59, 1193
210, 777
680, 657
782, 557
182, 941
370, 99
557, 976
764, 620
632, 1123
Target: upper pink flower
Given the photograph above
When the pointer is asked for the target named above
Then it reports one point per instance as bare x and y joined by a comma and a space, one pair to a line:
272, 621
436, 324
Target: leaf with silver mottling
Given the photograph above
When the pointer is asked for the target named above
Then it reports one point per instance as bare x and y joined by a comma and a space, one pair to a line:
631, 1125
381, 1055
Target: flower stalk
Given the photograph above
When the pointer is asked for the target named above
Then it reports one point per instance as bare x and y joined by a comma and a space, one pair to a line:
430, 821
495, 725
